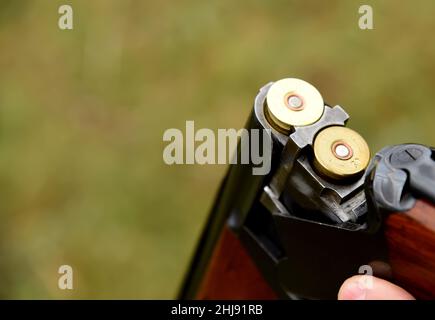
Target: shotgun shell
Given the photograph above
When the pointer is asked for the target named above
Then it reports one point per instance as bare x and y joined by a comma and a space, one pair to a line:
340, 152
293, 102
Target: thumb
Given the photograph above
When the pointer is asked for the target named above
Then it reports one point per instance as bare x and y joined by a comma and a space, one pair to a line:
364, 287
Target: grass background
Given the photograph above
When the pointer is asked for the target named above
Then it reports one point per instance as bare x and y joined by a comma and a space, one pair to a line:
82, 114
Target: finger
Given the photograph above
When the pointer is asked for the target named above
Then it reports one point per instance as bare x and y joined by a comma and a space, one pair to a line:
366, 287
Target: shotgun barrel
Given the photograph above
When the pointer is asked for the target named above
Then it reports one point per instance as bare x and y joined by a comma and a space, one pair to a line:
323, 213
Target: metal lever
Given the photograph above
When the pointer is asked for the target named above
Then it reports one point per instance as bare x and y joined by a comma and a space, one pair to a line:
399, 174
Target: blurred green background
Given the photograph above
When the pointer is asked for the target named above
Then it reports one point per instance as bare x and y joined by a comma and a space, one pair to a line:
82, 114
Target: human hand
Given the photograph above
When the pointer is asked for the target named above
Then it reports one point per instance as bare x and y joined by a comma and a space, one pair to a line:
364, 287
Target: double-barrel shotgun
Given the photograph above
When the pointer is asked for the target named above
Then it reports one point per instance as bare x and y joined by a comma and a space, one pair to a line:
325, 211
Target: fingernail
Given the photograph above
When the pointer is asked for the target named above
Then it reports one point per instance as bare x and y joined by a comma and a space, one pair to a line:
354, 291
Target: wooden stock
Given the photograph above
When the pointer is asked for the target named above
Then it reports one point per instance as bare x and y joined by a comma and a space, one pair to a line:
411, 244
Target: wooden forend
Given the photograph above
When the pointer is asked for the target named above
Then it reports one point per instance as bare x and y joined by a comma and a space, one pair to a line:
232, 274
411, 244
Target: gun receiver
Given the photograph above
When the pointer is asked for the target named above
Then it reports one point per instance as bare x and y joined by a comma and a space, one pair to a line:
322, 214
